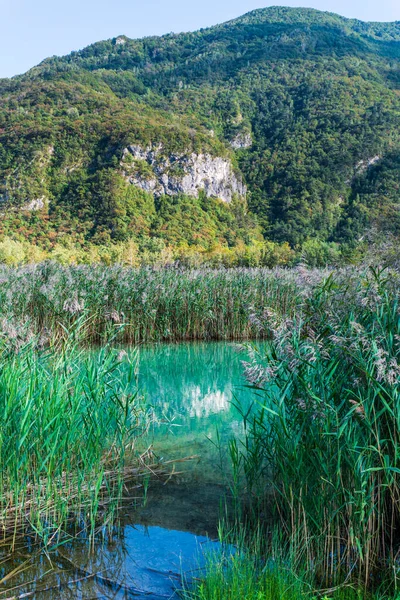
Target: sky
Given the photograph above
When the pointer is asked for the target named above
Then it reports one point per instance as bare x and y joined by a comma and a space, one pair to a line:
32, 30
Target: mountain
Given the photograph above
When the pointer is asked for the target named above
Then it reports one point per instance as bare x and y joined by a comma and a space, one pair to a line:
282, 123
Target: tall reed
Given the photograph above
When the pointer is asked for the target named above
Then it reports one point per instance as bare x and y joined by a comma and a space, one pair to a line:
69, 423
245, 569
153, 304
324, 444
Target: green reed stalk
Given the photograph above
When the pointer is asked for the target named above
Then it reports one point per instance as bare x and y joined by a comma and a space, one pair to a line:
153, 304
325, 442
69, 423
245, 569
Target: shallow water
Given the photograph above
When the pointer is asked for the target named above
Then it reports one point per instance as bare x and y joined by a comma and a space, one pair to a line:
146, 562
193, 389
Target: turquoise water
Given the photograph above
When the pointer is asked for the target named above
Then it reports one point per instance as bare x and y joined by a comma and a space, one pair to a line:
193, 389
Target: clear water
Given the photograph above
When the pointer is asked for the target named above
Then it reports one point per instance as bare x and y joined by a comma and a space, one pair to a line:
146, 562
193, 389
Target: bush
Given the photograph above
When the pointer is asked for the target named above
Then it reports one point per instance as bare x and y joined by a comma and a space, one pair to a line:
11, 252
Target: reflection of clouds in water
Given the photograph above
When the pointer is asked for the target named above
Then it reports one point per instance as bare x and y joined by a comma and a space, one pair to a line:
236, 427
203, 404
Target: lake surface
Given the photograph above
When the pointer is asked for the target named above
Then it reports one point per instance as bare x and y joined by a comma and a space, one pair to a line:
193, 389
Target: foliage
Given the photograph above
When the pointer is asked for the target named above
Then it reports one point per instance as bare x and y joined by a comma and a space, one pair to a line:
316, 95
322, 448
251, 574
70, 421
147, 304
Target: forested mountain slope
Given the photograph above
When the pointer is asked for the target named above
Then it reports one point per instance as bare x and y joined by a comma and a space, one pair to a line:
282, 123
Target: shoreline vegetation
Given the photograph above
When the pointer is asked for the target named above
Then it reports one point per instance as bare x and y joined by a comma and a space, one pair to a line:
316, 478
142, 305
71, 423
147, 305
318, 472
158, 253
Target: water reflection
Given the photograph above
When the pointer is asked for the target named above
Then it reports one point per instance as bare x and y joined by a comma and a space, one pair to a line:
146, 562
192, 388
202, 406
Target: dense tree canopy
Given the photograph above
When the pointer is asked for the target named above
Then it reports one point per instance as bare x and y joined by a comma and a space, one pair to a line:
314, 96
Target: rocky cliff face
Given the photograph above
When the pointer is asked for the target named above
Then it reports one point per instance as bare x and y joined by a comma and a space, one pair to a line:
150, 170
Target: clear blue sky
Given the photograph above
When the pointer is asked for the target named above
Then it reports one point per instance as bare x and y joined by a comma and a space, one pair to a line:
32, 30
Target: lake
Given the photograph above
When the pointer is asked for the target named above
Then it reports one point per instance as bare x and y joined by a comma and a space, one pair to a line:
192, 389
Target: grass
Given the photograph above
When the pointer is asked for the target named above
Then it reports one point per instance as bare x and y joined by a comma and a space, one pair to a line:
166, 304
320, 462
239, 578
322, 454
245, 570
70, 421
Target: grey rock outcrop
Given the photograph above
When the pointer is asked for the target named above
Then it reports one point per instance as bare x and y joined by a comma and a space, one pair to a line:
35, 204
241, 140
152, 171
364, 165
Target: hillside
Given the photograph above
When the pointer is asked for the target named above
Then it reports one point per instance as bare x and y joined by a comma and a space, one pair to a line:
282, 123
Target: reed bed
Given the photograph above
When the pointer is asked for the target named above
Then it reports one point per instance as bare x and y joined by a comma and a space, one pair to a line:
70, 421
168, 304
245, 571
322, 452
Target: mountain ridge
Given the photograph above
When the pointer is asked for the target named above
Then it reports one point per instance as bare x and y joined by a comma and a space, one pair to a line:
249, 17
362, 27
292, 99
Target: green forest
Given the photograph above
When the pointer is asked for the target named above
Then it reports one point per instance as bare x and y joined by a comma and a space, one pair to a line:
303, 105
